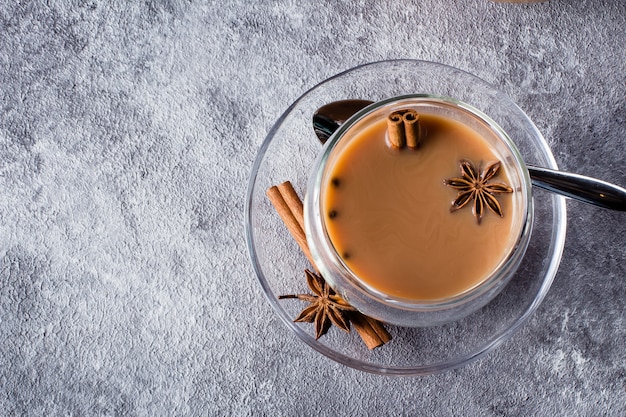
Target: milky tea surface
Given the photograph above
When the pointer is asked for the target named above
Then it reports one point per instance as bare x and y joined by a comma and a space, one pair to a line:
387, 212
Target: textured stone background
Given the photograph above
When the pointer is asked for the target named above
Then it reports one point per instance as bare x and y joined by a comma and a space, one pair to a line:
127, 134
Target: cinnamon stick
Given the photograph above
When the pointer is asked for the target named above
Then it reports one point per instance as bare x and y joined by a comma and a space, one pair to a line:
290, 211
290, 196
395, 130
371, 330
289, 207
412, 129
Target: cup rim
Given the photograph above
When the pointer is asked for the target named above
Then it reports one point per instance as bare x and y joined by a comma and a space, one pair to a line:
497, 278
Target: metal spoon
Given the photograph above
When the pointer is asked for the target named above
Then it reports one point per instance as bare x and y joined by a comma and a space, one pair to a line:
590, 190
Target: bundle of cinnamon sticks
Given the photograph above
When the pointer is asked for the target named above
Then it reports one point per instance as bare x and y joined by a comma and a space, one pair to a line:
404, 129
289, 207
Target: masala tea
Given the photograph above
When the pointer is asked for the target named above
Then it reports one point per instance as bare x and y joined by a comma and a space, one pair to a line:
422, 227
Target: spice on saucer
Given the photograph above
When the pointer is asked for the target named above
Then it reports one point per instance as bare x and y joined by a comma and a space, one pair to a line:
326, 307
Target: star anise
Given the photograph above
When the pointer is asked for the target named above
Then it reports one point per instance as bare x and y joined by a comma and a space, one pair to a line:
475, 186
325, 308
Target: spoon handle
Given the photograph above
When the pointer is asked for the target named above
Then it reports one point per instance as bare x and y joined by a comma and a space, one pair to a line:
579, 187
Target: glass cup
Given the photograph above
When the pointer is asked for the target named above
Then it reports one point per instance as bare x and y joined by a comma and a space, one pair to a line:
392, 308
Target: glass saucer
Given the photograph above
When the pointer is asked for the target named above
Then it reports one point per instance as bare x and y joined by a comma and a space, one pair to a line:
288, 153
